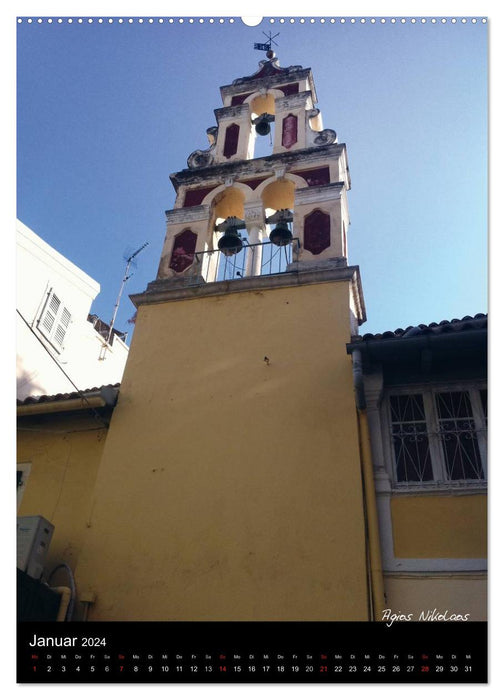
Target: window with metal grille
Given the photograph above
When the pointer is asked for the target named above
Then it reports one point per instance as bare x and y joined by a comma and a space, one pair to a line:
438, 436
484, 403
459, 440
410, 438
54, 321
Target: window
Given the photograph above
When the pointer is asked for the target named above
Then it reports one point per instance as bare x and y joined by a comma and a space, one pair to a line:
459, 439
54, 321
22, 473
410, 438
438, 435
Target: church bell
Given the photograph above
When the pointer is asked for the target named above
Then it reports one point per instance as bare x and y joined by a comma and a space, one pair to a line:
262, 127
262, 123
281, 235
230, 243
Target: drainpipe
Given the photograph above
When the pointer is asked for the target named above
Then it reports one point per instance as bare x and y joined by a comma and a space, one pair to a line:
360, 397
375, 564
66, 603
66, 597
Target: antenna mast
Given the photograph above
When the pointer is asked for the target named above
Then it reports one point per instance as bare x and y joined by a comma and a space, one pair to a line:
124, 280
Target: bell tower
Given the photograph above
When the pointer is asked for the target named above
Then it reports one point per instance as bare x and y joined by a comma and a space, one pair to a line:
226, 197
230, 486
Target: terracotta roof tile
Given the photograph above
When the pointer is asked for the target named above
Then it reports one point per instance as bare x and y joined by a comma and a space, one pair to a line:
454, 326
63, 397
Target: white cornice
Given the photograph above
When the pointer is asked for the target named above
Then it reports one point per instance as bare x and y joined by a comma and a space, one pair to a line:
322, 193
188, 214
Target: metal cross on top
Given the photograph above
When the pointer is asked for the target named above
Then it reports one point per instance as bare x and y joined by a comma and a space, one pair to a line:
267, 46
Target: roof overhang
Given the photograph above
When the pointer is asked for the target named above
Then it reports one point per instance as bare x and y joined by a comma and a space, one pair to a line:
425, 352
105, 397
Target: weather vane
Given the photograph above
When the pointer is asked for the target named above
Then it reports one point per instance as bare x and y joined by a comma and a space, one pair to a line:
267, 47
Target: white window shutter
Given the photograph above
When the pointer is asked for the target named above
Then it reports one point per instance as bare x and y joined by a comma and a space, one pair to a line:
55, 320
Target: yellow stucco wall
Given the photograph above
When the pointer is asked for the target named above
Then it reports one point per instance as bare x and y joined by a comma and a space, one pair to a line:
460, 594
230, 487
440, 526
64, 453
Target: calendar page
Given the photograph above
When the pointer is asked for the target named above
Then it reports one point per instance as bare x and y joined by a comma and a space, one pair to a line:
252, 349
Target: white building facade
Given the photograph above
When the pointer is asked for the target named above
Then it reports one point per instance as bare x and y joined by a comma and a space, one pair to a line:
58, 349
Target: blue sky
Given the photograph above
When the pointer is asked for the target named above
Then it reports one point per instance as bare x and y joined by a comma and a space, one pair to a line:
107, 111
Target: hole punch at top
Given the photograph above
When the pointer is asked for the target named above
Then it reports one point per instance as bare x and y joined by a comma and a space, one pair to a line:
252, 21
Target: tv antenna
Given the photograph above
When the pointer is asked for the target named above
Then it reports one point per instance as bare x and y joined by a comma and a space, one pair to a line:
125, 278
267, 46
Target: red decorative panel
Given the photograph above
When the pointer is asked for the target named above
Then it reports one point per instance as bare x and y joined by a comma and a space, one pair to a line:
184, 247
254, 183
315, 177
317, 232
291, 89
231, 140
194, 197
289, 131
239, 99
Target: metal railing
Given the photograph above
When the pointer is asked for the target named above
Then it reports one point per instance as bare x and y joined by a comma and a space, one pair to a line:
253, 260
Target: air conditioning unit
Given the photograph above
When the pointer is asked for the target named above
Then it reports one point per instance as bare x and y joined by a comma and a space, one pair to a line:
34, 535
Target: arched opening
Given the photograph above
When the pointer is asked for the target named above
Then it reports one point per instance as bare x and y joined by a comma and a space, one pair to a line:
261, 104
229, 202
277, 196
226, 204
